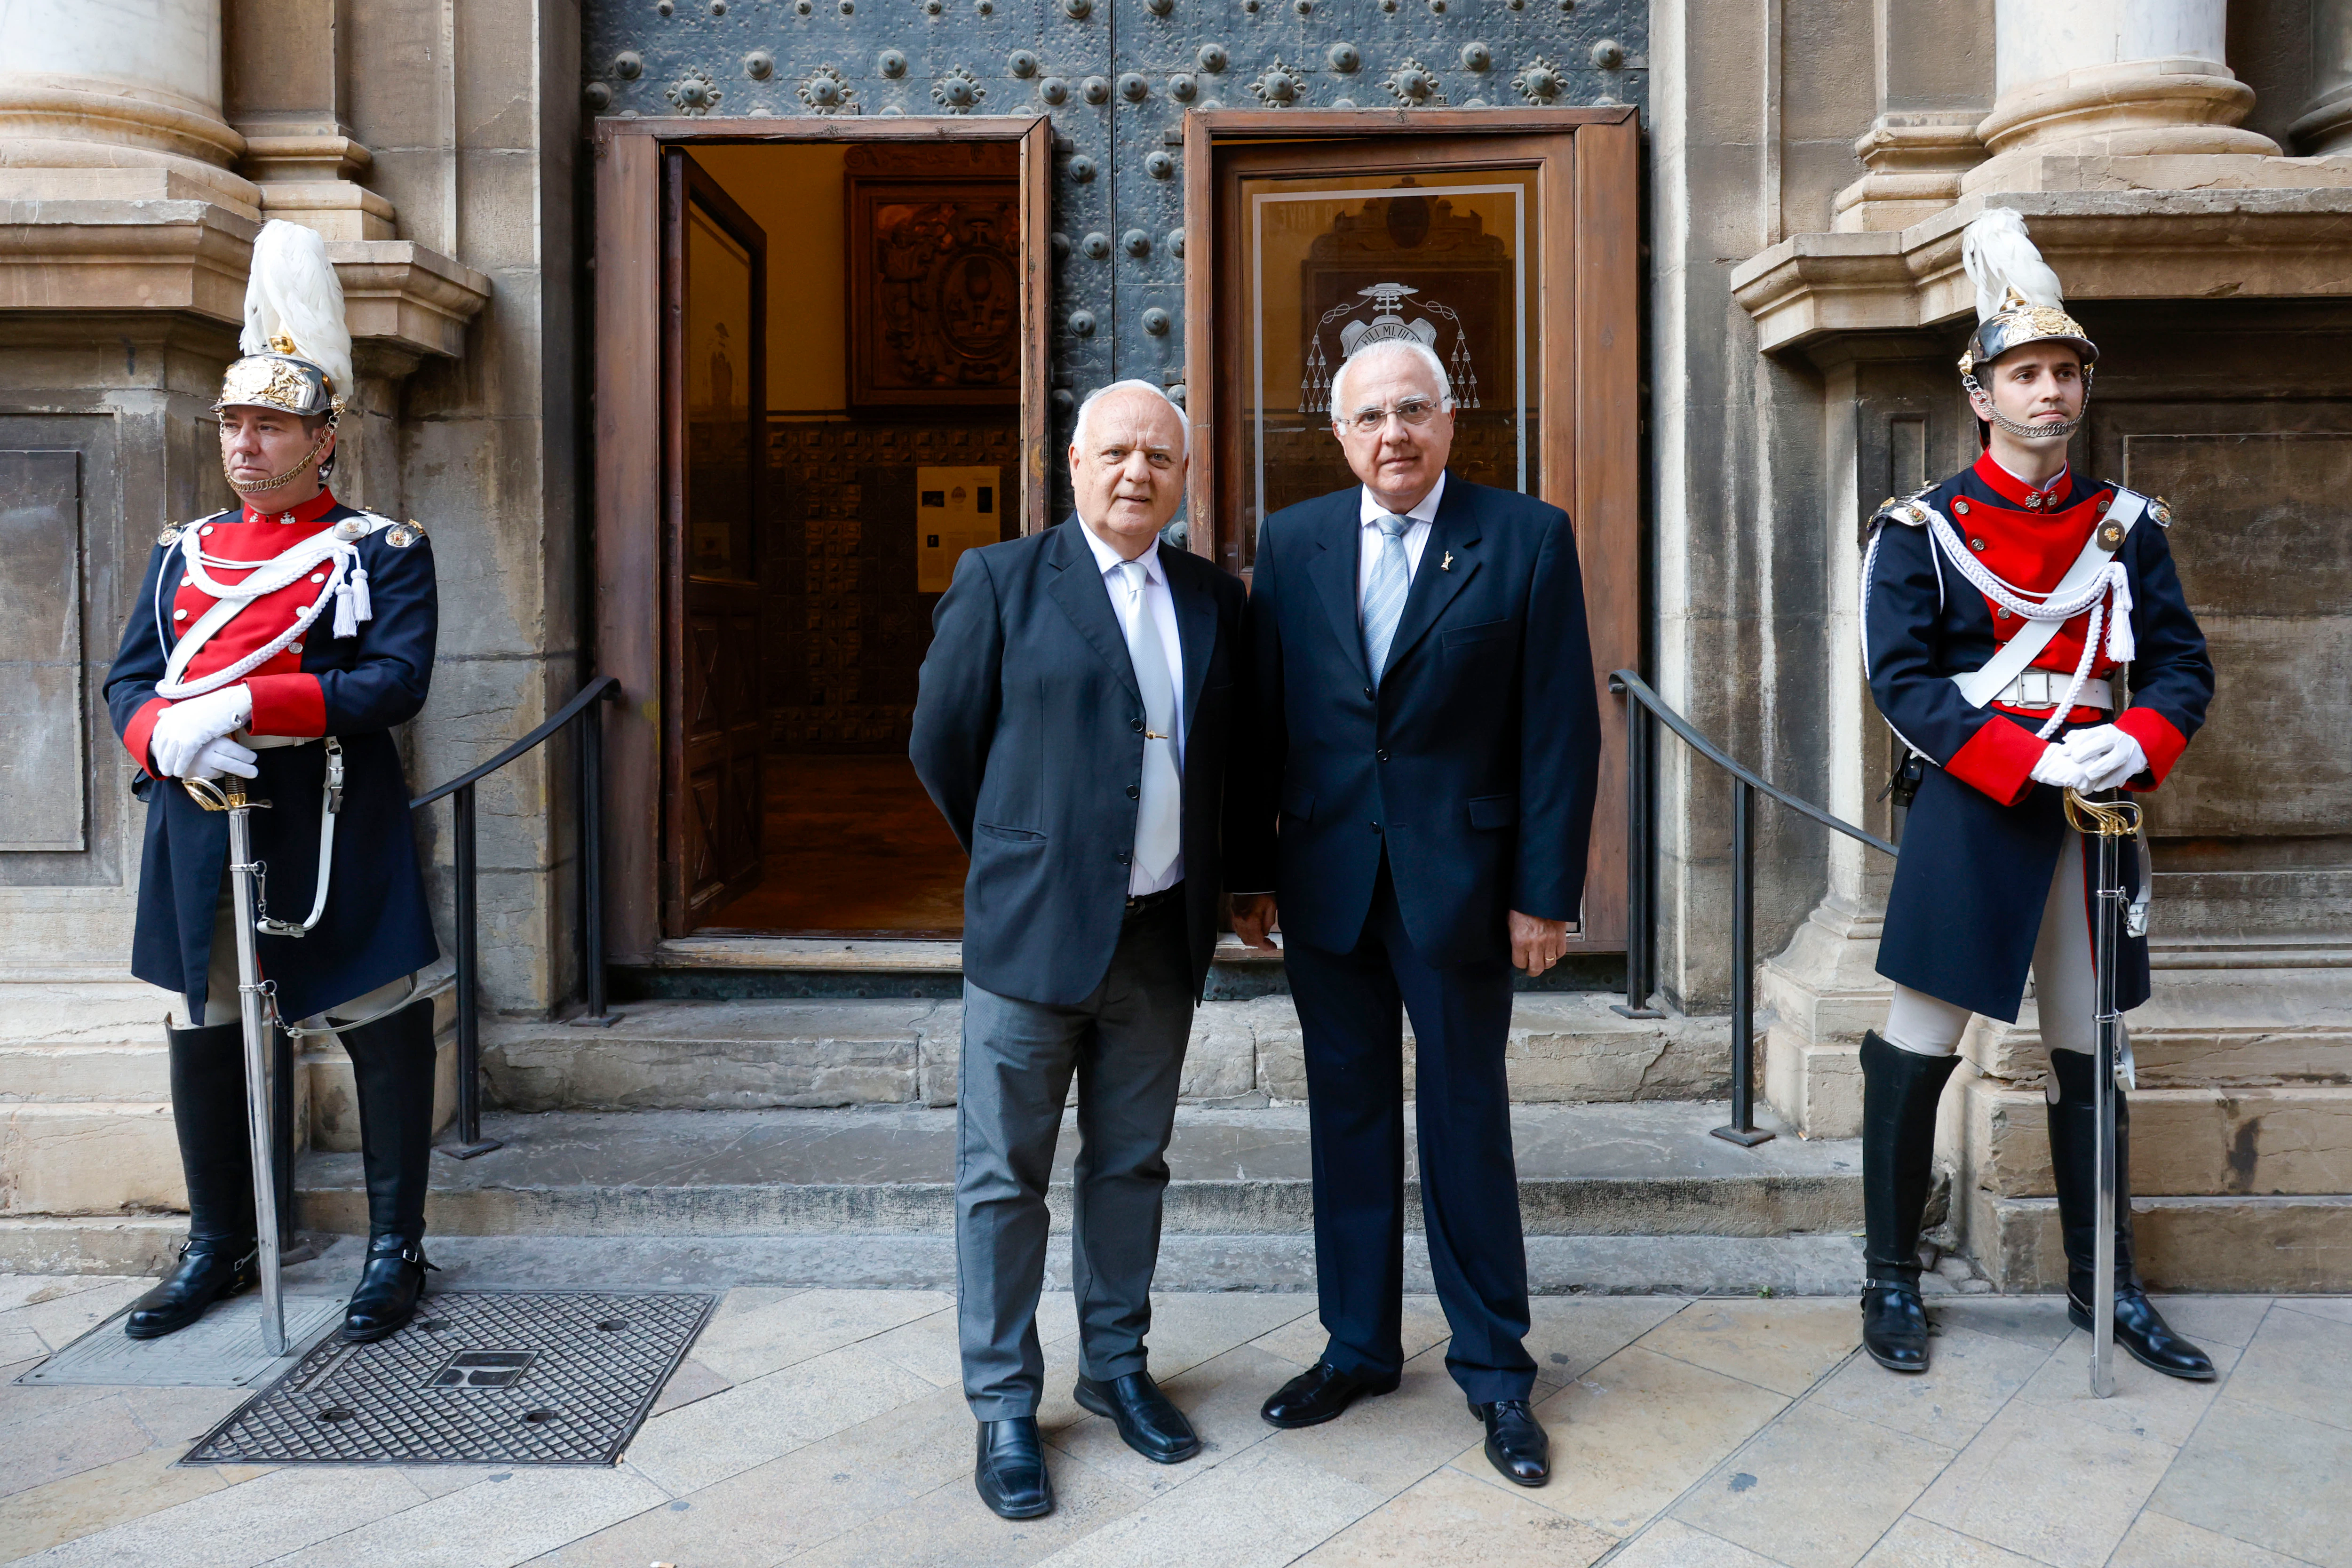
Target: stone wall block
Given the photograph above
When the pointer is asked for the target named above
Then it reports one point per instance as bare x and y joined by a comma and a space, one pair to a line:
115, 1158
55, 1073
496, 101
940, 1032
2189, 1143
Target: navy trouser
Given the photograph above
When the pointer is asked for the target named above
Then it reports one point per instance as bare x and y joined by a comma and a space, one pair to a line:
1350, 1013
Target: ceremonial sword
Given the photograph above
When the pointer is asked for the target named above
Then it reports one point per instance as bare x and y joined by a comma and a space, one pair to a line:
2109, 822
229, 796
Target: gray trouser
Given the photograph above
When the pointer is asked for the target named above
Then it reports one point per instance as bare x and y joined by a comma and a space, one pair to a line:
1126, 1044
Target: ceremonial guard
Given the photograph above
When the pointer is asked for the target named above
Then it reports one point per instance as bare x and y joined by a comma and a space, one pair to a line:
281, 643
2025, 634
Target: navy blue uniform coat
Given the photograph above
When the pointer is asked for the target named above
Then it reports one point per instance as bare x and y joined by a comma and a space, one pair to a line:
1028, 734
376, 927
1473, 765
1981, 840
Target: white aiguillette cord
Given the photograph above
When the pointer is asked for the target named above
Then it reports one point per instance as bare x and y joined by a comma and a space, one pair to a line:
346, 585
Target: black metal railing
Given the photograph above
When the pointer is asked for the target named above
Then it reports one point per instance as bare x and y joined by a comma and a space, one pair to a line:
586, 708
1644, 709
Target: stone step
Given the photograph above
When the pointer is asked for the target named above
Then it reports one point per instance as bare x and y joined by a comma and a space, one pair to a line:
2267, 1244
89, 1157
2185, 1143
1557, 1265
692, 1054
1585, 1171
139, 1069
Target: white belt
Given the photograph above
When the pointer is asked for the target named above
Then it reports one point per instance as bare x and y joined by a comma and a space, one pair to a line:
2047, 689
271, 742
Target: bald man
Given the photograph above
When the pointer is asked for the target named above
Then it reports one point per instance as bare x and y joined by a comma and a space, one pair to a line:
1083, 691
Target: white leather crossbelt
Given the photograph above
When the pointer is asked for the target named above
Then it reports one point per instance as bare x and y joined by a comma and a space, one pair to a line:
2047, 689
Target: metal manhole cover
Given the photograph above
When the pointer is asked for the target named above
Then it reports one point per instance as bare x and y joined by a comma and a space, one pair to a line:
542, 1378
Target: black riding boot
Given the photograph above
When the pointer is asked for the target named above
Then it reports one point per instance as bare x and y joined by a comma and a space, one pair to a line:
219, 1258
1899, 1090
2073, 1161
392, 1068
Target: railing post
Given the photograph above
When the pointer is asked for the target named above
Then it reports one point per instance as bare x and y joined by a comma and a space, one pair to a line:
591, 864
470, 1140
1743, 1129
1641, 855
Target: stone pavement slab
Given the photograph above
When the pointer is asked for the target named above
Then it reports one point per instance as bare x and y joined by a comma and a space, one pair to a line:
827, 1427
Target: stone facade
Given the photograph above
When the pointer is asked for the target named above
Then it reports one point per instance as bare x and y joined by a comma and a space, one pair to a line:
2187, 167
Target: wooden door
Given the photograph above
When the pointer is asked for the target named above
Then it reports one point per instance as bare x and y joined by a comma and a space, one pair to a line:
1510, 251
715, 406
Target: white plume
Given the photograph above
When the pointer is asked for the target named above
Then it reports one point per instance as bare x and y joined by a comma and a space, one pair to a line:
293, 289
2000, 256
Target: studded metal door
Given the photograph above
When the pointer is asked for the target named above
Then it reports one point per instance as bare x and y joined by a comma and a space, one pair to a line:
1116, 77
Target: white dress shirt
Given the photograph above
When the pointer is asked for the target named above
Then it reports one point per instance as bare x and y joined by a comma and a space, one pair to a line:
1369, 543
1160, 604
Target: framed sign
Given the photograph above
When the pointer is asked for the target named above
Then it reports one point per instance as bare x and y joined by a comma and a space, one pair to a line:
934, 279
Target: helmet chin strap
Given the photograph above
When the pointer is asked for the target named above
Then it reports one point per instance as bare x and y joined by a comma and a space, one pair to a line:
277, 481
1990, 412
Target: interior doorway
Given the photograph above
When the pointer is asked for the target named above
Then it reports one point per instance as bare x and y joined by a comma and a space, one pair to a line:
841, 328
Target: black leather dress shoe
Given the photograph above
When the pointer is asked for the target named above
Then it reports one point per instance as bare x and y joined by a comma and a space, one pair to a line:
1010, 1470
1895, 1328
209, 1271
1517, 1443
389, 1287
1317, 1395
1147, 1420
2141, 1330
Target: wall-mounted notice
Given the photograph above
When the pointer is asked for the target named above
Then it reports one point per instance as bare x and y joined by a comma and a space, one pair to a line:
956, 509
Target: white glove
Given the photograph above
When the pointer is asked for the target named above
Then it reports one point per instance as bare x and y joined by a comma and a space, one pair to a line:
2107, 755
184, 729
222, 756
2055, 766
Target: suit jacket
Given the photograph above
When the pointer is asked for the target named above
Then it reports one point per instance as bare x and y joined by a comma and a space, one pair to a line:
376, 926
1028, 734
1472, 763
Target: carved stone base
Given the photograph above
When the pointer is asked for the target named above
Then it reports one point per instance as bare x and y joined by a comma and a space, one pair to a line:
1916, 161
1822, 993
2132, 109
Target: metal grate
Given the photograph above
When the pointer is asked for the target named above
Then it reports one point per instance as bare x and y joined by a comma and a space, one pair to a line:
220, 1349
540, 1377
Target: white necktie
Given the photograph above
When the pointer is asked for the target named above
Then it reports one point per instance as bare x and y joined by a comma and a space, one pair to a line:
1385, 594
1158, 821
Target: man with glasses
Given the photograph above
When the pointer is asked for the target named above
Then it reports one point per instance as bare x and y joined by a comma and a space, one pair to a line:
1082, 691
1431, 740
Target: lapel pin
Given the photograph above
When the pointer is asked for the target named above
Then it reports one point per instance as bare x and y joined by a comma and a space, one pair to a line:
1446, 565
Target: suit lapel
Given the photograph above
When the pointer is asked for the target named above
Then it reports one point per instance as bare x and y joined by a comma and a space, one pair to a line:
1196, 631
1448, 561
1078, 587
1334, 569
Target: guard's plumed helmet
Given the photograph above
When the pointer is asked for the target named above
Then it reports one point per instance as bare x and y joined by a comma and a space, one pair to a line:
2018, 298
296, 350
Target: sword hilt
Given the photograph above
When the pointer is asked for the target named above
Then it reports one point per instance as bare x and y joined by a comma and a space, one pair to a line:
2101, 818
214, 796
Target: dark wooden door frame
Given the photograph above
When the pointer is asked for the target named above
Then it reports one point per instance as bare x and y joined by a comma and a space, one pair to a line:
1592, 307
628, 429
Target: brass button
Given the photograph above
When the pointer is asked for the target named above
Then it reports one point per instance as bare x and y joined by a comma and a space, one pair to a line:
1976, 544
1961, 506
2001, 615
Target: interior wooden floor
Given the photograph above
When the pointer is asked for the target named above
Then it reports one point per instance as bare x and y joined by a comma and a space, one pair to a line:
853, 847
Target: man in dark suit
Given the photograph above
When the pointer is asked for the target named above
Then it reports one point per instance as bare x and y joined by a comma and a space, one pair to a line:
1428, 722
1078, 706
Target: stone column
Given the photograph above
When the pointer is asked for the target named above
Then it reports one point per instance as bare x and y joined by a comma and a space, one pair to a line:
117, 98
2110, 79
2326, 127
286, 96
1935, 81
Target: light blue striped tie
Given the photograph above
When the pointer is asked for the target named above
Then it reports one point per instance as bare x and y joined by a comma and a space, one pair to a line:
1385, 594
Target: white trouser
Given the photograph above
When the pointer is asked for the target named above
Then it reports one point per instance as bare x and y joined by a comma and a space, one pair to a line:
220, 974
2065, 983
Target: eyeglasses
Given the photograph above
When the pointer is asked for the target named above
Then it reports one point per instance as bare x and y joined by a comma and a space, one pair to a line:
1415, 412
